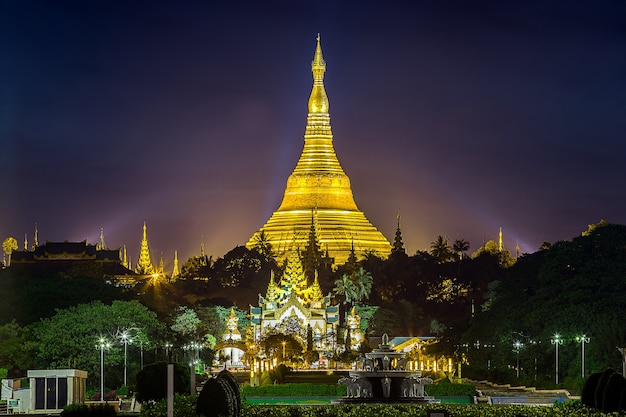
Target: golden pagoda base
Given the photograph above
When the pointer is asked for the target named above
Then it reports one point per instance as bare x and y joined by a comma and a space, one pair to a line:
338, 231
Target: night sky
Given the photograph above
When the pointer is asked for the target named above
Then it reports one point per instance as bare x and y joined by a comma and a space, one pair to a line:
462, 116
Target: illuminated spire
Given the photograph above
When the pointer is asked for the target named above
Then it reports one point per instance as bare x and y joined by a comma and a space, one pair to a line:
161, 264
318, 182
175, 271
144, 266
314, 292
500, 245
273, 291
36, 237
25, 242
125, 259
203, 260
294, 279
101, 245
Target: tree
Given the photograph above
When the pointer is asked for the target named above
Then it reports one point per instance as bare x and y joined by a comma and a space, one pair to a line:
8, 246
345, 287
460, 246
15, 349
440, 249
152, 381
70, 335
263, 245
363, 284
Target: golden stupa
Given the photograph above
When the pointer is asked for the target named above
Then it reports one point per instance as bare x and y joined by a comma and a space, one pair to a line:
318, 192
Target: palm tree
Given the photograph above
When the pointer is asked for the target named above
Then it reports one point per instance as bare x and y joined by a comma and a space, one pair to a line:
263, 245
363, 284
346, 287
460, 246
440, 249
8, 246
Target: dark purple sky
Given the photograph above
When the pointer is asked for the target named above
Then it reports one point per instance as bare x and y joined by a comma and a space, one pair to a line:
464, 116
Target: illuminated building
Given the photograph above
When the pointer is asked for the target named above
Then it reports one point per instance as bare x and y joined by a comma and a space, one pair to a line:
319, 185
144, 266
291, 305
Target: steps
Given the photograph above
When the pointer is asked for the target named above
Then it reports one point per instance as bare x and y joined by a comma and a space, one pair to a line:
532, 395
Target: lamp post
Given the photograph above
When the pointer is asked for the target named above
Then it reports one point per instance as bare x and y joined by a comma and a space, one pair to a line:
193, 349
284, 345
556, 341
102, 345
167, 347
517, 346
582, 340
125, 340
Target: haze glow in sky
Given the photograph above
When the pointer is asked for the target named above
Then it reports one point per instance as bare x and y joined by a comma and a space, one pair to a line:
463, 116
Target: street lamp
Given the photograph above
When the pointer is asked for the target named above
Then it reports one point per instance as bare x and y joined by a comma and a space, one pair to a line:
102, 345
556, 341
167, 347
582, 340
193, 349
517, 346
125, 340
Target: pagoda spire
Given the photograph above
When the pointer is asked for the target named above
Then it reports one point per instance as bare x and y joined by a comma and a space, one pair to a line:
144, 266
175, 271
101, 245
36, 237
398, 245
319, 182
125, 259
25, 242
500, 245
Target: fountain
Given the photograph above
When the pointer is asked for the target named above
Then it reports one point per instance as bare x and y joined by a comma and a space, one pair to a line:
384, 379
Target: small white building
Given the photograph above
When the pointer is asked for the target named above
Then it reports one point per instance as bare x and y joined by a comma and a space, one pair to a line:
53, 389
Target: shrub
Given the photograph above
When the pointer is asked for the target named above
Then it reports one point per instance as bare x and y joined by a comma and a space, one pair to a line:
84, 410
295, 390
612, 392
184, 406
588, 393
152, 381
230, 379
446, 388
278, 373
599, 393
122, 391
216, 399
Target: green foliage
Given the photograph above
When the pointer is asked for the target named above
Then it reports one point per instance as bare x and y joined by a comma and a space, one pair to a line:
184, 406
40, 292
602, 382
70, 336
588, 393
88, 410
294, 390
570, 288
122, 391
152, 381
216, 399
371, 410
612, 392
446, 388
230, 379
